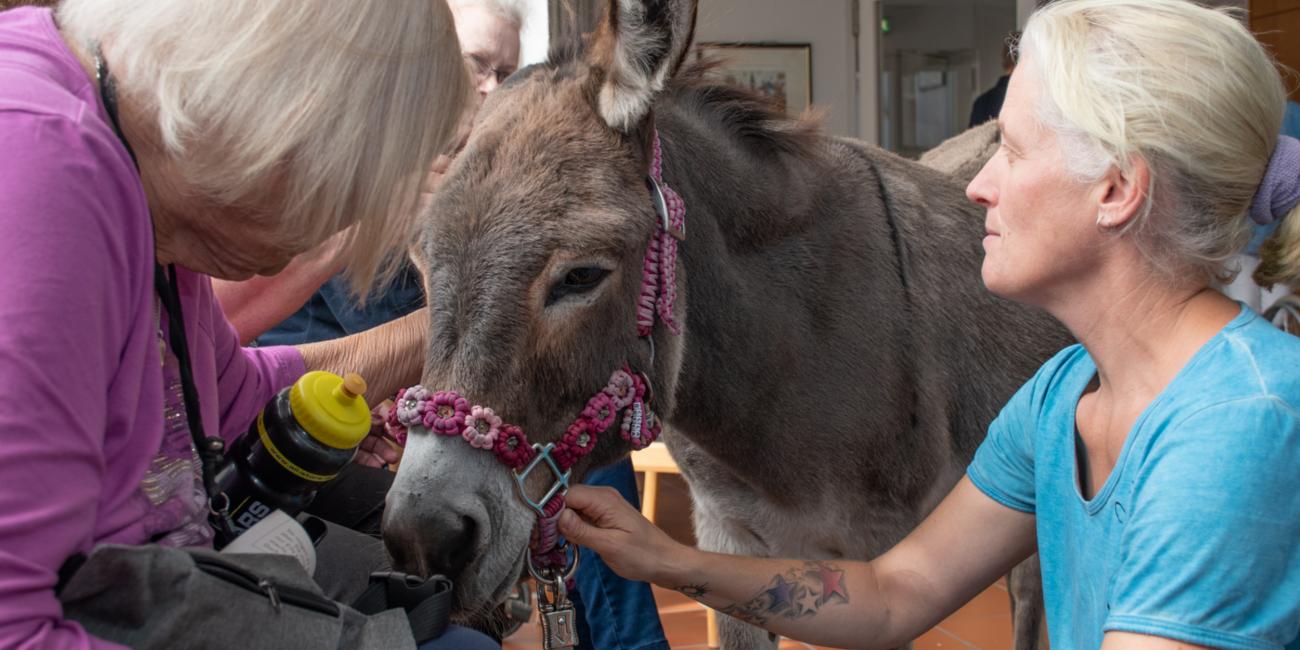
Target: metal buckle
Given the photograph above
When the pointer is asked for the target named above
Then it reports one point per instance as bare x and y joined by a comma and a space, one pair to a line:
661, 208
560, 486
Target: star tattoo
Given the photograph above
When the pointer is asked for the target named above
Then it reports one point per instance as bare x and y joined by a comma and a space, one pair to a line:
781, 593
832, 585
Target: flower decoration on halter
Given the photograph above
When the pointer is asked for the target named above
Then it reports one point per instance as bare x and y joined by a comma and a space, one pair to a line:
481, 427
578, 441
623, 389
410, 406
512, 447
447, 414
600, 412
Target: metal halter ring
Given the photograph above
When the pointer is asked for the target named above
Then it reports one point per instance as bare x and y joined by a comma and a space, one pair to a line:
571, 568
661, 209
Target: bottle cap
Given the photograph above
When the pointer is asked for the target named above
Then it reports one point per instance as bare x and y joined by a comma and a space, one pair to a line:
331, 408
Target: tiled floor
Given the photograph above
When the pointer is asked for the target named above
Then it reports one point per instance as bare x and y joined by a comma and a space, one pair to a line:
983, 624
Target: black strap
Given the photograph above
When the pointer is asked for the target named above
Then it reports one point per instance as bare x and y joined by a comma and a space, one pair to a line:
427, 602
108, 95
210, 449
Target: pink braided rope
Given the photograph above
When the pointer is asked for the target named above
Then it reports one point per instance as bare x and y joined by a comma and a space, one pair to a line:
659, 273
546, 536
646, 302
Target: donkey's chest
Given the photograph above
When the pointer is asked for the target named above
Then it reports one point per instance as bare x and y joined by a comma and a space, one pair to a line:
833, 523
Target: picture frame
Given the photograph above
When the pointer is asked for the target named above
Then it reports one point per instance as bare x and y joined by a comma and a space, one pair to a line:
780, 71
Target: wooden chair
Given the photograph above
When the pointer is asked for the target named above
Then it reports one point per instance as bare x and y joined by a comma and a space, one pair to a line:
653, 461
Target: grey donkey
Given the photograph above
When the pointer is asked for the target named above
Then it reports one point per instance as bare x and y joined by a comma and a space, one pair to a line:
840, 359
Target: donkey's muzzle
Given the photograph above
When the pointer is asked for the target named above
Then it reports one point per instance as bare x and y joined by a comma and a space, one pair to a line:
430, 543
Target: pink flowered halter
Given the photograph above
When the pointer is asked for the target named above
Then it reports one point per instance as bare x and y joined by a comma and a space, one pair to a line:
627, 392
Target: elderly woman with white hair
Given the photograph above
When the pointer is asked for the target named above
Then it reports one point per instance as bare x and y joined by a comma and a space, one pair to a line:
151, 145
1153, 467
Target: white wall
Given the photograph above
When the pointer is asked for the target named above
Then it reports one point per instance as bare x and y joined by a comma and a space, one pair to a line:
980, 27
535, 37
826, 24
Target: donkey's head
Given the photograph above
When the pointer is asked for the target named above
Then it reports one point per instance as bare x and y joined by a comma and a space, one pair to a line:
534, 252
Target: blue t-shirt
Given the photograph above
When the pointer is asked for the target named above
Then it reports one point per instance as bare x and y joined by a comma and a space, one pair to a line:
1291, 120
1194, 534
331, 312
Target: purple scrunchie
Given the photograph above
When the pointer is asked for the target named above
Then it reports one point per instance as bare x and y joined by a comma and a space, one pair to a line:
1279, 192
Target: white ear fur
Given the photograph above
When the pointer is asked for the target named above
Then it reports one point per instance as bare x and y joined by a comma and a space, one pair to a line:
645, 54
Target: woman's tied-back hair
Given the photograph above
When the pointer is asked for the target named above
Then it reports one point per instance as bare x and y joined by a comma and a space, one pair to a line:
341, 103
1184, 87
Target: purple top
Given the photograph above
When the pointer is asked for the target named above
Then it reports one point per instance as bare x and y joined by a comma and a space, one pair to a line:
85, 456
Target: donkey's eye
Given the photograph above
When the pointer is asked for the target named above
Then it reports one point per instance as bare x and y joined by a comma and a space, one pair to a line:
578, 280
587, 276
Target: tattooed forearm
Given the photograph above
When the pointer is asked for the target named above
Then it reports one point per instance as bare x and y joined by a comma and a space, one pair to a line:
694, 591
799, 592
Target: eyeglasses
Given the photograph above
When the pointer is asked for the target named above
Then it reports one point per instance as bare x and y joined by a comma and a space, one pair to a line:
484, 70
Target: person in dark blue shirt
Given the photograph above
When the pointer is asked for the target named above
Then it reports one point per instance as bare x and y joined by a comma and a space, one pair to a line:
988, 105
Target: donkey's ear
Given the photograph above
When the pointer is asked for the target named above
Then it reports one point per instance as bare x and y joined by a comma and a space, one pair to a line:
641, 46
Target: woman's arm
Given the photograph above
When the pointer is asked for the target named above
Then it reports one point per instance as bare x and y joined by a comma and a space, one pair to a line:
1130, 641
73, 284
389, 357
961, 548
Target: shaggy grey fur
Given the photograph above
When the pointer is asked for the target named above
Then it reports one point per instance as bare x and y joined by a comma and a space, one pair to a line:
840, 361
962, 155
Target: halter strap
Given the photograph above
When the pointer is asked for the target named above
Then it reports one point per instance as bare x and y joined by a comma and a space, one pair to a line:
659, 273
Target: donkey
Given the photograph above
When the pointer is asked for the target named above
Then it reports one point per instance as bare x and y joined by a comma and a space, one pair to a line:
838, 361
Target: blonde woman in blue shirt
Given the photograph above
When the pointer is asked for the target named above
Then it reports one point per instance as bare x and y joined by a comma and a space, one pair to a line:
1155, 467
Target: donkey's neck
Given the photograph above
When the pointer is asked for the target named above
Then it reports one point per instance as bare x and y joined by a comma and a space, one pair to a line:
774, 274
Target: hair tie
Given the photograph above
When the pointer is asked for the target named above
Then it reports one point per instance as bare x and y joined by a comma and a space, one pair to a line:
1279, 192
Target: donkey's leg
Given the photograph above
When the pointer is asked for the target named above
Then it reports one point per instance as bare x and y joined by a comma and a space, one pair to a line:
1025, 585
717, 531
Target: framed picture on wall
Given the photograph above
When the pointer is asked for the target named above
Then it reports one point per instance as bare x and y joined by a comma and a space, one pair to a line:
781, 71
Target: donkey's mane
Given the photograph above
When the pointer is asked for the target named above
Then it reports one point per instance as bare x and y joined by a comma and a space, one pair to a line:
748, 115
742, 112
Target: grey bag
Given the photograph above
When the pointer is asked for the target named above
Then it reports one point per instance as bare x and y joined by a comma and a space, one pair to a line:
157, 597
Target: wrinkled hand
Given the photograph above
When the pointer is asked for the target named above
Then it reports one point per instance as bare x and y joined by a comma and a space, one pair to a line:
378, 448
600, 519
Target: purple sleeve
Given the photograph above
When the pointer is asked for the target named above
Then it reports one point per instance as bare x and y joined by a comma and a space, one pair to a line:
247, 378
66, 306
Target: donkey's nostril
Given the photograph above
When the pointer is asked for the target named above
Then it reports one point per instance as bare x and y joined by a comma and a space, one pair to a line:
454, 549
433, 545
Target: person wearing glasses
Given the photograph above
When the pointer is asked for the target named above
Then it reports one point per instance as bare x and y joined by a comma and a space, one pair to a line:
614, 612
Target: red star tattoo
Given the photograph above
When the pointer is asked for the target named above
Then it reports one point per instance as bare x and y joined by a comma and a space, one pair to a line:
832, 585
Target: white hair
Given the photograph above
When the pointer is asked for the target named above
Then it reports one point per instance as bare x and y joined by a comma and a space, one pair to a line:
512, 11
1183, 87
342, 103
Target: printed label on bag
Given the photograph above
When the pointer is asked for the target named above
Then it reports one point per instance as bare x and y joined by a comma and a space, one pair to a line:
280, 534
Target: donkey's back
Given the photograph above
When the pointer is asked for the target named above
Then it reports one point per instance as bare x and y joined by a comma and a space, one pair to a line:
894, 359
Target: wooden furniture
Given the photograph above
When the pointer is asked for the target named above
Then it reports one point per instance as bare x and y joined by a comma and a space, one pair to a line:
1277, 25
